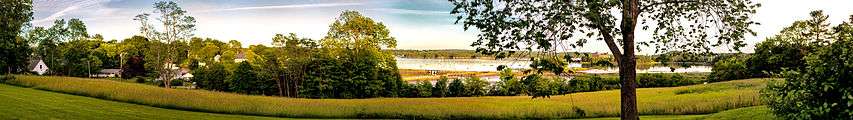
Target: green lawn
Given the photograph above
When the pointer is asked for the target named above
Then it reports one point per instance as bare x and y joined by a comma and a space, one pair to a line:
697, 99
32, 104
747, 113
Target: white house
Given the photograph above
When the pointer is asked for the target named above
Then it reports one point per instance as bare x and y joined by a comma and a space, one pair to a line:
240, 57
38, 67
107, 73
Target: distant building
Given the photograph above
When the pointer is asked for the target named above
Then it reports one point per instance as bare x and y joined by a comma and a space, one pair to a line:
185, 74
577, 59
240, 57
104, 73
38, 67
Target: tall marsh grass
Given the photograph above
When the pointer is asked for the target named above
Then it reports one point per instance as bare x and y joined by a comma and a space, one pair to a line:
652, 101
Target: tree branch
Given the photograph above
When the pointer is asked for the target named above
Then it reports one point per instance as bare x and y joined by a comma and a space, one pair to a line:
608, 38
646, 7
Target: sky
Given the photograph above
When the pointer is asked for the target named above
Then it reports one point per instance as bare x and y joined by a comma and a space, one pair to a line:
416, 24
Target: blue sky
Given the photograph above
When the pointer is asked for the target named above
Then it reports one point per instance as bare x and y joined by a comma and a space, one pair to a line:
417, 24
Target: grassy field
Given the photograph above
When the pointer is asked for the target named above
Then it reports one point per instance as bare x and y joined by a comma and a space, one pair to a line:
698, 99
31, 104
747, 113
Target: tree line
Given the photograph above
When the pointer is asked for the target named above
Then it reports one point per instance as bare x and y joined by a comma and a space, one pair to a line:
814, 60
347, 63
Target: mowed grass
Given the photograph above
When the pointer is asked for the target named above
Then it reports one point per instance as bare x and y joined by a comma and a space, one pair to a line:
31, 104
697, 99
747, 113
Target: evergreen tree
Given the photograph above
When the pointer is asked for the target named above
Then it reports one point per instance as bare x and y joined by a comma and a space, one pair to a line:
244, 79
474, 86
456, 88
440, 87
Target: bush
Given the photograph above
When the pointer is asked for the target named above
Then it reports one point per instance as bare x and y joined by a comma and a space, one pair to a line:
4, 78
541, 86
177, 82
508, 86
139, 80
822, 91
730, 69
456, 88
440, 88
663, 80
424, 89
474, 86
593, 83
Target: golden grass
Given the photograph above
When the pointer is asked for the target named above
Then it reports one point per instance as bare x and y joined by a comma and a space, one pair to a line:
652, 101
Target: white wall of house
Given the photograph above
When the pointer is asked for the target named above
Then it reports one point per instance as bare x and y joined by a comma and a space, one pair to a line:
40, 68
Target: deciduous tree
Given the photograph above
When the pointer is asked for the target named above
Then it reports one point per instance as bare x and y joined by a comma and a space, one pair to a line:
507, 26
177, 26
14, 50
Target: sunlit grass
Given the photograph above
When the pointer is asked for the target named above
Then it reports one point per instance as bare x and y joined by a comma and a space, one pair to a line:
30, 104
652, 101
746, 113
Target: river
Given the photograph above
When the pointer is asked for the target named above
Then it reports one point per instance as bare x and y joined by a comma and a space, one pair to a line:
484, 65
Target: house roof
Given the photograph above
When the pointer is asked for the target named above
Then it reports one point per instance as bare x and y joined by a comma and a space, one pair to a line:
32, 64
110, 71
241, 55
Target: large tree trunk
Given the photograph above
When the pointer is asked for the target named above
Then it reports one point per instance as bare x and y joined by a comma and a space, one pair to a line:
628, 63
278, 83
287, 84
628, 75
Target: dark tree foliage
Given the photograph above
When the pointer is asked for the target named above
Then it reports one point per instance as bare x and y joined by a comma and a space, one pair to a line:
424, 89
440, 88
823, 90
456, 88
474, 86
787, 49
508, 86
14, 50
212, 77
322, 78
244, 79
134, 55
538, 86
134, 67
731, 68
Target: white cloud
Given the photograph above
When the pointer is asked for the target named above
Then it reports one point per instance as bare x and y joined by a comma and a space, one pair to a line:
72, 6
288, 6
408, 11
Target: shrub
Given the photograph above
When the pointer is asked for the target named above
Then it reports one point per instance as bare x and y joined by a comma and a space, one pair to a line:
593, 83
139, 80
177, 82
822, 91
508, 86
4, 78
440, 88
663, 80
456, 88
537, 86
730, 69
603, 63
541, 86
424, 89
475, 86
